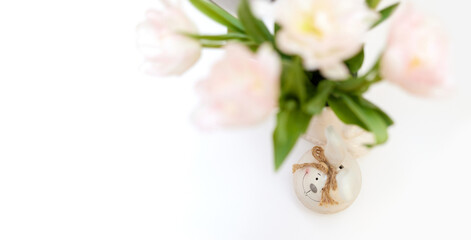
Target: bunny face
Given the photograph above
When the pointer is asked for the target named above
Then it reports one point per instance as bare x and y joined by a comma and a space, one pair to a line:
313, 181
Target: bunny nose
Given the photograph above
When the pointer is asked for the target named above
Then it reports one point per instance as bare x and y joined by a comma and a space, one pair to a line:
313, 188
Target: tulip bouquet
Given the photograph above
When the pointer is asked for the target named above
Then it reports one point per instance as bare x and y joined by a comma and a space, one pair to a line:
306, 65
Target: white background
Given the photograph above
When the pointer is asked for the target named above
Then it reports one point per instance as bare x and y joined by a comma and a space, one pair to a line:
91, 148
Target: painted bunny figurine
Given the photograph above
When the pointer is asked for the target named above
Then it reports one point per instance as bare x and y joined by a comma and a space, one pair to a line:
327, 179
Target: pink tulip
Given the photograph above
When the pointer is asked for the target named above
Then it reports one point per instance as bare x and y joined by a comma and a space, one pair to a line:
416, 57
166, 51
242, 88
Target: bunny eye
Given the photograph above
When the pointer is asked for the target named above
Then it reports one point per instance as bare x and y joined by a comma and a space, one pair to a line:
341, 166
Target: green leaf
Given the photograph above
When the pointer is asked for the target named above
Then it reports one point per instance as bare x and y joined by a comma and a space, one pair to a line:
369, 117
344, 113
223, 37
290, 125
354, 63
359, 85
358, 111
384, 116
385, 14
218, 14
351, 84
293, 80
315, 105
277, 28
373, 3
254, 27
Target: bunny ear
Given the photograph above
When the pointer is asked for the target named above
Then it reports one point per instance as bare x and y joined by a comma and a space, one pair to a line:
335, 150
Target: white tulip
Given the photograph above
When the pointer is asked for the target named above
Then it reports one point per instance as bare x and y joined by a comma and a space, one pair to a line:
166, 51
324, 33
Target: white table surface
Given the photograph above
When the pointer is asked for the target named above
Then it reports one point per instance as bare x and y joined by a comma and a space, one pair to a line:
91, 148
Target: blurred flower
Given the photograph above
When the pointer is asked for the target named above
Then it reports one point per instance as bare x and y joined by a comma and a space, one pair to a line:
263, 9
416, 57
166, 51
242, 88
323, 32
353, 136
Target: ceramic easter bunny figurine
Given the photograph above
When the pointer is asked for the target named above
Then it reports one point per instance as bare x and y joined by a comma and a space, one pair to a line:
327, 179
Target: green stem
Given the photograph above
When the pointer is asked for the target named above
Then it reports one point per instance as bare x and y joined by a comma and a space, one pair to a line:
221, 37
212, 45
